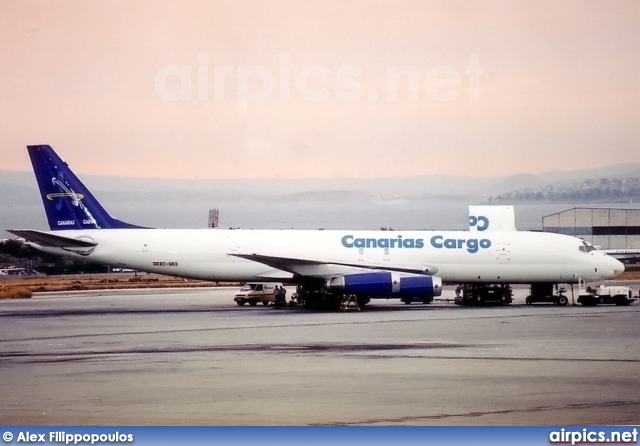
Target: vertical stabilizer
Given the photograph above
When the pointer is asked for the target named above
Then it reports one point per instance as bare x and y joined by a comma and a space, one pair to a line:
67, 201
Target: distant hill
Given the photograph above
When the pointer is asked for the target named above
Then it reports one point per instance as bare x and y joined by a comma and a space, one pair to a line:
607, 189
17, 185
435, 201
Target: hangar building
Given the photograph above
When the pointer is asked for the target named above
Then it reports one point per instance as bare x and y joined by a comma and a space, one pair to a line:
604, 228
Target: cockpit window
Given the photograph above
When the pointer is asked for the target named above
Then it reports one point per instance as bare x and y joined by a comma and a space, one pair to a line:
587, 247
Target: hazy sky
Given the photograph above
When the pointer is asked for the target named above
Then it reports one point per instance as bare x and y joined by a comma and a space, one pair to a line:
289, 89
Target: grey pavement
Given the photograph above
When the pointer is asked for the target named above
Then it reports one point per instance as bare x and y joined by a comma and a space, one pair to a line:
193, 357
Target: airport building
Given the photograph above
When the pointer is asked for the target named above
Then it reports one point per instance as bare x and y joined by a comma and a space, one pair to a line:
603, 228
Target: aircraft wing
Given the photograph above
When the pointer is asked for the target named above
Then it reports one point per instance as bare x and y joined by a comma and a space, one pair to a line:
49, 239
323, 269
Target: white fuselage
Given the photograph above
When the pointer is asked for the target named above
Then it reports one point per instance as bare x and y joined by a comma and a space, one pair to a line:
455, 256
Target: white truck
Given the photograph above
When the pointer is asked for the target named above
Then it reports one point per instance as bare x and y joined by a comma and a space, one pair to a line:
617, 295
254, 292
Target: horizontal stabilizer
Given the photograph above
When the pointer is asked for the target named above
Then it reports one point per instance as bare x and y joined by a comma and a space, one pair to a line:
52, 240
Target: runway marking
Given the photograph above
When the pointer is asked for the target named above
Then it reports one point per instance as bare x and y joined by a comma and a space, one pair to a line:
349, 322
361, 351
459, 311
483, 413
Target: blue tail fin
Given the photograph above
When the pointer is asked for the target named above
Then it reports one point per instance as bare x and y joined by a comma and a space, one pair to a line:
67, 202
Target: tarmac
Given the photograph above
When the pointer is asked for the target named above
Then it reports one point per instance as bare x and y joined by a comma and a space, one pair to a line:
193, 357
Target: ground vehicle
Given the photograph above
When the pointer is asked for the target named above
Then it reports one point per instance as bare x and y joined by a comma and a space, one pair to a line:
543, 292
254, 292
479, 294
618, 295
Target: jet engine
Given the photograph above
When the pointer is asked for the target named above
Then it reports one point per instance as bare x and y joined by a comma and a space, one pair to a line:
386, 284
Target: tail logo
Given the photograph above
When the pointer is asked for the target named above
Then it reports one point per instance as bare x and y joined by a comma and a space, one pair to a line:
65, 192
76, 199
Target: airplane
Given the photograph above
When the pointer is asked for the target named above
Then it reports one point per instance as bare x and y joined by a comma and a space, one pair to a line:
625, 255
327, 265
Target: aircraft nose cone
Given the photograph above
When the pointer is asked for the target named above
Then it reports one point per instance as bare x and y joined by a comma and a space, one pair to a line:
614, 265
618, 267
